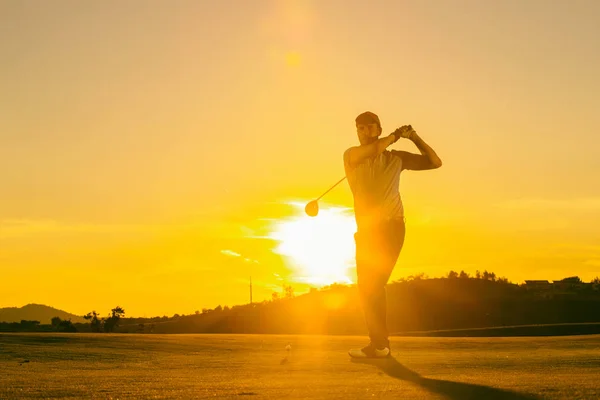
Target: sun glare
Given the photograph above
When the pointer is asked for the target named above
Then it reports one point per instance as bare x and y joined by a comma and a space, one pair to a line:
320, 249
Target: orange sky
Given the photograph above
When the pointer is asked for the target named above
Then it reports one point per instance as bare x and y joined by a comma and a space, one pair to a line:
148, 150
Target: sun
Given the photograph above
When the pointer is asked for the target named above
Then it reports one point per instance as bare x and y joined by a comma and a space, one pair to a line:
320, 250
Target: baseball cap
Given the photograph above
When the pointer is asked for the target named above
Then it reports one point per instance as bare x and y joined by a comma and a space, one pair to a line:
368, 118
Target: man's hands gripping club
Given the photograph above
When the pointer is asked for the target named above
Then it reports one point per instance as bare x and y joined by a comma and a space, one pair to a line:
405, 131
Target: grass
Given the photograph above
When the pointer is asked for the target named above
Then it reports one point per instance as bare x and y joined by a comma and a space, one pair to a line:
129, 366
564, 329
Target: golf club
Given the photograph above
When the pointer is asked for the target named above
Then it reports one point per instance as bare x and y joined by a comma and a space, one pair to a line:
312, 207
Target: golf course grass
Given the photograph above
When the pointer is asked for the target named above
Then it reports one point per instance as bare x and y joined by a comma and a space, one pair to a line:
196, 366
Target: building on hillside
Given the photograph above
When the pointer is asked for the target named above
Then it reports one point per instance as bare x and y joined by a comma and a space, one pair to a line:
537, 284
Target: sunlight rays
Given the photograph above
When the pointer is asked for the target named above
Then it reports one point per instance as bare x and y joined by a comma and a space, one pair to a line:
320, 250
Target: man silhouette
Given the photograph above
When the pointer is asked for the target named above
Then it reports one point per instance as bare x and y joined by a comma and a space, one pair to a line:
373, 174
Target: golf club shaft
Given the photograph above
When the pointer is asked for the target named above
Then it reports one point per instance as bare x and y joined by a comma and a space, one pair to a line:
328, 190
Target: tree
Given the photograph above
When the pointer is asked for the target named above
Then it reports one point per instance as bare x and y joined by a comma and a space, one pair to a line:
417, 277
463, 275
289, 291
95, 322
477, 274
572, 279
486, 275
218, 308
26, 324
595, 284
452, 275
55, 322
66, 326
117, 312
275, 296
113, 320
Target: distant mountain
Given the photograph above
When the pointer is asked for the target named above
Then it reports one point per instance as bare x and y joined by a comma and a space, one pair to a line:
36, 312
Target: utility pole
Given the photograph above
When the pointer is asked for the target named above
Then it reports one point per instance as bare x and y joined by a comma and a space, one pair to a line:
251, 289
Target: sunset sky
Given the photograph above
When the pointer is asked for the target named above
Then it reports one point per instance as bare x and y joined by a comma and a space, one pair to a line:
155, 154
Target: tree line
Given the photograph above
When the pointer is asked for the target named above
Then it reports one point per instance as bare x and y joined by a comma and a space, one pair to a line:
105, 324
415, 303
96, 324
457, 300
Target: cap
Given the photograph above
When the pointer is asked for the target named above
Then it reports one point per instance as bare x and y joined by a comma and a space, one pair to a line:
368, 118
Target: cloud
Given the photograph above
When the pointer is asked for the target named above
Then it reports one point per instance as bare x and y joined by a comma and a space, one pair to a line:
232, 253
535, 203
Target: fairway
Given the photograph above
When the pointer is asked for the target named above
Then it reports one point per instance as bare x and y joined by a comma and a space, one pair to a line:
112, 366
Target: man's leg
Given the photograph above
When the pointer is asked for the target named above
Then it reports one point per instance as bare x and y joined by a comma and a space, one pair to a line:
389, 244
376, 255
366, 276
370, 299
393, 240
368, 294
379, 334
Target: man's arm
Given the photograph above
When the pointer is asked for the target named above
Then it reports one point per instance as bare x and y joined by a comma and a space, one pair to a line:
426, 150
428, 159
357, 154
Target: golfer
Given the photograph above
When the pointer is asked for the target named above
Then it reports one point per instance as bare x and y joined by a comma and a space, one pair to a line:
373, 174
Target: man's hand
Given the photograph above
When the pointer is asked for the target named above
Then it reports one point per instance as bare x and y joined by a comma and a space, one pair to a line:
406, 132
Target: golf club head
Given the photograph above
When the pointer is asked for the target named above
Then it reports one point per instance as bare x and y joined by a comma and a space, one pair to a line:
312, 208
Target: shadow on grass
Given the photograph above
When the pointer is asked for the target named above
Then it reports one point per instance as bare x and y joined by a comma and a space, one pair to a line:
452, 390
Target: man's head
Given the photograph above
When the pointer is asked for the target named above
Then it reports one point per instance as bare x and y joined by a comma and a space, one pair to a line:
368, 127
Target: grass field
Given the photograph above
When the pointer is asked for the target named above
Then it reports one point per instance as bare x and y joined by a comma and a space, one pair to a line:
127, 366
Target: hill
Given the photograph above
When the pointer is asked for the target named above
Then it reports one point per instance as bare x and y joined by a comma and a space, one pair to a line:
36, 312
438, 304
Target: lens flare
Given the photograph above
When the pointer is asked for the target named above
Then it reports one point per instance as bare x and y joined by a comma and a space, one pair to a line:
320, 250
